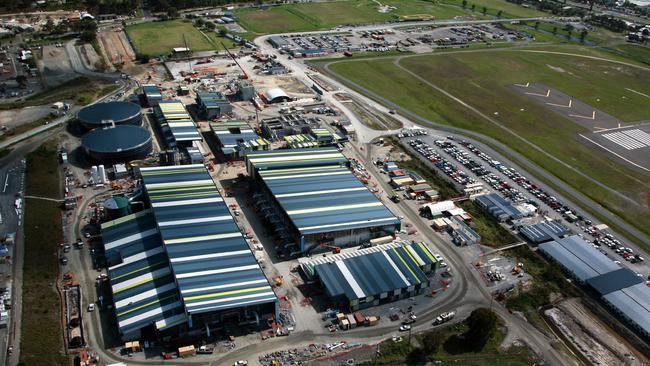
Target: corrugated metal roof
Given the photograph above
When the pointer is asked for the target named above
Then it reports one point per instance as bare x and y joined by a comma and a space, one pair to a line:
634, 302
212, 263
614, 280
544, 231
144, 291
498, 207
578, 257
326, 198
175, 121
235, 134
294, 158
375, 272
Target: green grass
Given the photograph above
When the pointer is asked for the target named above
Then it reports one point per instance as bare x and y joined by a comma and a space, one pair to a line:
158, 38
41, 340
79, 90
510, 10
634, 52
491, 232
325, 15
475, 75
453, 353
25, 127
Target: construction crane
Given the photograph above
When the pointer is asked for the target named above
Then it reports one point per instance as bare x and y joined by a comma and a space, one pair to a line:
245, 75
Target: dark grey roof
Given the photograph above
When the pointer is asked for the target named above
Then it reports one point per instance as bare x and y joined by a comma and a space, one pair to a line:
498, 207
578, 257
613, 281
116, 139
117, 111
634, 303
544, 231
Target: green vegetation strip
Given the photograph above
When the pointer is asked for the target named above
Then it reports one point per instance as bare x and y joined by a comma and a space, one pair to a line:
24, 128
79, 90
484, 80
41, 339
158, 38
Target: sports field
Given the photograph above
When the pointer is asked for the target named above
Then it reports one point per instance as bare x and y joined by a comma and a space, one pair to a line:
158, 38
325, 15
484, 80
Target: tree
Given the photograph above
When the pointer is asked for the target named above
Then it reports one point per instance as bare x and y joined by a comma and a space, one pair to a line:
431, 342
222, 32
536, 25
172, 12
554, 30
464, 3
88, 36
49, 25
21, 80
473, 7
210, 25
499, 13
484, 10
199, 22
482, 324
583, 35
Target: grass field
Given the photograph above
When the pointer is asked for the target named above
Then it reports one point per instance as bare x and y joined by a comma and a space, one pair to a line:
41, 341
482, 80
80, 90
325, 15
158, 38
631, 51
509, 10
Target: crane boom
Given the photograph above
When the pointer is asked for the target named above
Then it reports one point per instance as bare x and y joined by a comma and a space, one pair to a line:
245, 75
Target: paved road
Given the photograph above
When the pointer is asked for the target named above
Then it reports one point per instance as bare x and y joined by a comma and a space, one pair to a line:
490, 144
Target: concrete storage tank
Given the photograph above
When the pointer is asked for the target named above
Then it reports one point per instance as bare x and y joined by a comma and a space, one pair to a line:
116, 144
116, 207
121, 113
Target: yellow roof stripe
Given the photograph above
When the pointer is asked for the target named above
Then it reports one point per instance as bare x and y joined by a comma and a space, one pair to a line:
138, 270
407, 266
227, 293
334, 208
427, 252
145, 305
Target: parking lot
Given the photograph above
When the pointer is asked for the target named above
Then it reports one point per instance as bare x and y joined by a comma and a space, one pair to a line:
466, 164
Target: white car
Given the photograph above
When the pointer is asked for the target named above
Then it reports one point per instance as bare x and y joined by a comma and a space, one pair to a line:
241, 363
91, 307
404, 328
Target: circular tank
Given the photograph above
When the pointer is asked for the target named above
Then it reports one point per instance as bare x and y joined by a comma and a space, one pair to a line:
116, 144
116, 207
121, 113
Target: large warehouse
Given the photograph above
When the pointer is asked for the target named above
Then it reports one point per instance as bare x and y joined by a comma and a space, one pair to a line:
370, 276
619, 288
498, 207
236, 137
176, 124
117, 144
315, 202
110, 113
184, 262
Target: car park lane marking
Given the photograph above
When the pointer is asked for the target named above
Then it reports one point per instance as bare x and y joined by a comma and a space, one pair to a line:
548, 94
563, 106
592, 117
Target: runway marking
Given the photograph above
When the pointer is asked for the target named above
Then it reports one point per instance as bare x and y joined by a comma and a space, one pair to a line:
560, 105
548, 94
619, 127
638, 92
613, 153
523, 85
592, 117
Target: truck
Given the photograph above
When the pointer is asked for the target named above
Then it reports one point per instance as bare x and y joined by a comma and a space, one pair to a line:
204, 350
394, 197
444, 317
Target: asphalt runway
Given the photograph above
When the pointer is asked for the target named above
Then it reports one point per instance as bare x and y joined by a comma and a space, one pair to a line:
628, 143
573, 109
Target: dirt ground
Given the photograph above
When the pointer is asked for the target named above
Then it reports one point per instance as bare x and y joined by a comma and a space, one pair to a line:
117, 50
88, 56
595, 340
17, 117
55, 66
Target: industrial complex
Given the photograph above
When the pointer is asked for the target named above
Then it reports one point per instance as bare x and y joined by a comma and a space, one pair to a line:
241, 205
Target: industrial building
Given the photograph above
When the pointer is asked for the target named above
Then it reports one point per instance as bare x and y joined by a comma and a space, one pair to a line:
461, 233
497, 207
152, 94
244, 90
289, 124
236, 137
372, 276
275, 95
176, 124
117, 144
314, 201
278, 42
620, 289
213, 104
544, 231
110, 113
183, 264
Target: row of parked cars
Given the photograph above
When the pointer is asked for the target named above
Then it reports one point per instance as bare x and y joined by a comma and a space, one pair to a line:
430, 153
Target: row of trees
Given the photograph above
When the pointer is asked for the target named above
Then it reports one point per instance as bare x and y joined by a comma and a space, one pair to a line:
87, 29
608, 22
125, 7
